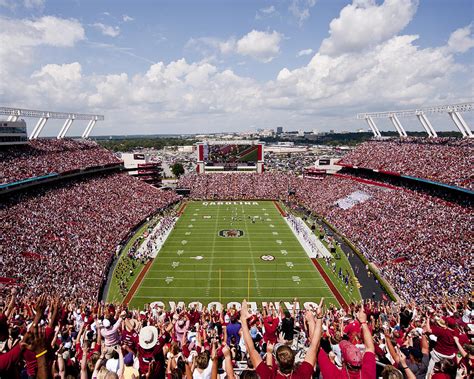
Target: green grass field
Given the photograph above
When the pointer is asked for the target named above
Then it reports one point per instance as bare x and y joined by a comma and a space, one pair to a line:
195, 255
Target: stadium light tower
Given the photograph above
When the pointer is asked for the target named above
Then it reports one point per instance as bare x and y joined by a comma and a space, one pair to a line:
454, 111
43, 116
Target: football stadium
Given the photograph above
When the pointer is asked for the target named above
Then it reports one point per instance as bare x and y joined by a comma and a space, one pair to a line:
244, 254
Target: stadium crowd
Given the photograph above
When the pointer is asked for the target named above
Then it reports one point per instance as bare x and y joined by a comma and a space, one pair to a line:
48, 235
446, 160
42, 337
421, 244
45, 156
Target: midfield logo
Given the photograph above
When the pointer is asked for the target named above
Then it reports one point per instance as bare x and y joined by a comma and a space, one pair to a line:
231, 233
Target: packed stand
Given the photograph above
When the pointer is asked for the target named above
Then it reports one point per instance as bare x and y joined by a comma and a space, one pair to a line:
46, 337
230, 186
445, 160
45, 156
422, 245
62, 239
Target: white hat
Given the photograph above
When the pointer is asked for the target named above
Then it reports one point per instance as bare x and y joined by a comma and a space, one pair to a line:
106, 323
148, 337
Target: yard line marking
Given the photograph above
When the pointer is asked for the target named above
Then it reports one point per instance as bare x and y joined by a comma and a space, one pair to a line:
294, 278
211, 265
253, 260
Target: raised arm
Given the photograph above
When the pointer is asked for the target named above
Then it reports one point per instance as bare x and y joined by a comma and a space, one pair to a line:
368, 341
253, 353
85, 351
11, 304
406, 370
315, 332
229, 370
390, 347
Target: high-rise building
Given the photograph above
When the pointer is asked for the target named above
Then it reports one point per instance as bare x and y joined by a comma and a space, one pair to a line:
279, 130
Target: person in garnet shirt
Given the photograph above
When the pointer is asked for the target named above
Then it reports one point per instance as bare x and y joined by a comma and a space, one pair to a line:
354, 364
284, 355
445, 344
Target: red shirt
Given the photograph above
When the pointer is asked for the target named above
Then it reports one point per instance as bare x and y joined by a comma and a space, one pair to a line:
271, 326
304, 371
445, 343
146, 356
329, 369
130, 339
9, 360
79, 351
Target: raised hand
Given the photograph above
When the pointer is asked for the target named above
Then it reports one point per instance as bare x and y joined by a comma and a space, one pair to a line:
361, 316
34, 340
244, 311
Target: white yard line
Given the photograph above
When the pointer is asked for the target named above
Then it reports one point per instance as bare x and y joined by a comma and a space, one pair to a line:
254, 268
209, 276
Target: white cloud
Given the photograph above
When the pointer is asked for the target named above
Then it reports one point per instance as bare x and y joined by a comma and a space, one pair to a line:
19, 37
62, 84
262, 46
28, 4
127, 18
301, 9
107, 30
461, 40
364, 23
304, 52
259, 45
182, 96
266, 12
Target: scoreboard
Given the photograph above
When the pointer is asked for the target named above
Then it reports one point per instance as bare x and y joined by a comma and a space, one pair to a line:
219, 156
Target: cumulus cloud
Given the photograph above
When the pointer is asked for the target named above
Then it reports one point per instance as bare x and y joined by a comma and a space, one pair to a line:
262, 46
304, 52
18, 38
185, 96
300, 9
107, 30
364, 23
259, 45
461, 40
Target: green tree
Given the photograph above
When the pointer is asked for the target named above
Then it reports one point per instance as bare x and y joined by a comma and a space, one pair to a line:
177, 169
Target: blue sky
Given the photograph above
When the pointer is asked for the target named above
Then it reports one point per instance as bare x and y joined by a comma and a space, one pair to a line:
221, 65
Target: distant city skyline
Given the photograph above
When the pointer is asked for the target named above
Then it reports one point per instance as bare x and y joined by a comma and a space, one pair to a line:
177, 67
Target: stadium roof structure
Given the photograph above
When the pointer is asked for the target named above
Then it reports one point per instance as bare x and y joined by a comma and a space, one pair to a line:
454, 111
43, 116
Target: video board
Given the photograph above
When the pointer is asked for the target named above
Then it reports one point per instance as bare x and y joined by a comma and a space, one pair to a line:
230, 154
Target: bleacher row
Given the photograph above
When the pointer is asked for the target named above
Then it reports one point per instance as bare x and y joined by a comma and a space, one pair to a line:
61, 239
46, 156
445, 160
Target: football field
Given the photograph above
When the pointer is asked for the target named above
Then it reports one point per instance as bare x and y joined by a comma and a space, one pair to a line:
228, 251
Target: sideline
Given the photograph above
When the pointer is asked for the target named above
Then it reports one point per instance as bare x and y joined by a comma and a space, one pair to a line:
282, 212
137, 283
181, 209
330, 284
